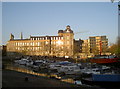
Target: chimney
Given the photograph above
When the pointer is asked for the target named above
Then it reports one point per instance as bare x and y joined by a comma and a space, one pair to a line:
21, 36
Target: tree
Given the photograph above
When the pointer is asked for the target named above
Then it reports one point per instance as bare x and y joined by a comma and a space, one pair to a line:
115, 48
95, 50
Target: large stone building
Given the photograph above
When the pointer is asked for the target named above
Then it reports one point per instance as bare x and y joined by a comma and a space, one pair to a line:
61, 45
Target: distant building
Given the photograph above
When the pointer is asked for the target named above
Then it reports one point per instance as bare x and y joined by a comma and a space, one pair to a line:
77, 48
3, 50
95, 45
61, 45
85, 47
98, 44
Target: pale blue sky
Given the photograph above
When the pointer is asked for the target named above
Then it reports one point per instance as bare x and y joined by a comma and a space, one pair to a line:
0, 23
46, 18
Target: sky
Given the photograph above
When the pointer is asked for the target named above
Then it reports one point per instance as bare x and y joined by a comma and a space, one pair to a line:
59, 0
46, 18
0, 23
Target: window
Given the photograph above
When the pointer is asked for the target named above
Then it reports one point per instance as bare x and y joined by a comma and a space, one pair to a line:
38, 43
28, 43
51, 38
51, 42
67, 42
46, 42
67, 37
33, 44
59, 38
36, 48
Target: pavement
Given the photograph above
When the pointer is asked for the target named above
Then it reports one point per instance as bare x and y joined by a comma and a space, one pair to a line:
17, 79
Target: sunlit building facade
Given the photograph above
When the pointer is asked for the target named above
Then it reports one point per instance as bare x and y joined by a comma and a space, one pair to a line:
98, 44
61, 45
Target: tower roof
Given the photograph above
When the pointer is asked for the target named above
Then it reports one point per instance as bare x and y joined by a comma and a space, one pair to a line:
68, 29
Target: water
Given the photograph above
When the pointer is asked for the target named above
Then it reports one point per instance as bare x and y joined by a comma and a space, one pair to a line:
0, 71
28, 70
24, 69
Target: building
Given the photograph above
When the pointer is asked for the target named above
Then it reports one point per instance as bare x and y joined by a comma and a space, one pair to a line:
77, 48
85, 47
95, 45
61, 45
98, 45
3, 50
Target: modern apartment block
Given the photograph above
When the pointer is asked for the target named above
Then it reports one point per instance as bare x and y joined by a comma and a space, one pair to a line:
98, 44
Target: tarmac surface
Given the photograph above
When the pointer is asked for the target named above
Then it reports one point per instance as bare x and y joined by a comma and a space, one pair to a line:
17, 79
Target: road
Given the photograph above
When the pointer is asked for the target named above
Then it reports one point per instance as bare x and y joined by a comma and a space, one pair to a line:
16, 79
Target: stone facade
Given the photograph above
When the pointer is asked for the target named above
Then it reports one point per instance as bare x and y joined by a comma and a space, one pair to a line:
61, 45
